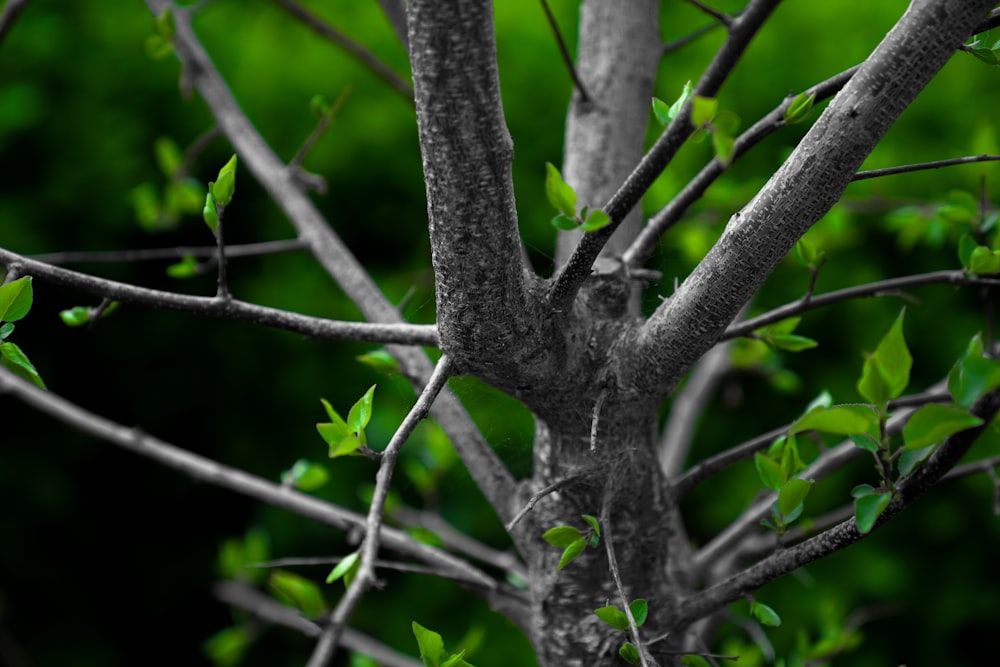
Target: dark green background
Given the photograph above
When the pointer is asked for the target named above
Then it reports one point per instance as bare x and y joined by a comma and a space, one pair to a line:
107, 559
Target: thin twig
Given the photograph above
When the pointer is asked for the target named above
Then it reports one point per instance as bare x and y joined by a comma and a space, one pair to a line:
321, 127
609, 548
923, 166
305, 561
222, 288
564, 51
724, 19
221, 475
150, 254
535, 497
360, 53
890, 286
266, 608
10, 12
365, 577
314, 327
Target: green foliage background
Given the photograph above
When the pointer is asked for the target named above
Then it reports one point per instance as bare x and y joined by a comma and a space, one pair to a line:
107, 559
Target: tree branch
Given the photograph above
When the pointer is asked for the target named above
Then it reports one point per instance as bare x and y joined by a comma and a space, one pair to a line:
799, 194
569, 280
564, 51
358, 52
395, 11
846, 533
10, 12
923, 166
151, 254
281, 183
227, 308
365, 577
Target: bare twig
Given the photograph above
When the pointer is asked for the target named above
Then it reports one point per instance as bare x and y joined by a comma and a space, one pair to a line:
528, 506
576, 270
724, 19
10, 12
360, 53
266, 608
148, 254
321, 127
923, 166
609, 548
315, 327
365, 577
564, 51
891, 286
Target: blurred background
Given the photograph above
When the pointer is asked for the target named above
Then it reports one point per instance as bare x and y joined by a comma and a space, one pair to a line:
108, 559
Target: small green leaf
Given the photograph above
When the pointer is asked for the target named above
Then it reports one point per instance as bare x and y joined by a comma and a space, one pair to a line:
455, 659
886, 371
679, 103
792, 342
592, 522
866, 442
306, 475
984, 261
227, 647
564, 222
867, 509
345, 446
661, 111
596, 220
225, 185
703, 110
800, 108
6, 329
572, 551
639, 609
724, 145
837, 420
168, 156
187, 267
319, 106
966, 246
973, 374
769, 471
361, 412
559, 193
210, 213
431, 645
988, 56
346, 568
911, 458
381, 361
629, 653
76, 316
792, 494
297, 592
562, 536
17, 363
613, 616
15, 299
764, 614
932, 423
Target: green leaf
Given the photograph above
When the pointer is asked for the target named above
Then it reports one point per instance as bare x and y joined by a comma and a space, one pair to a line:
381, 361
973, 374
837, 420
168, 156
210, 213
911, 458
865, 442
792, 342
187, 267
572, 551
792, 494
297, 592
679, 103
886, 371
455, 659
613, 616
806, 253
988, 56
227, 647
225, 185
630, 653
769, 471
564, 222
724, 145
15, 299
346, 568
6, 329
966, 246
639, 609
76, 316
592, 522
661, 111
319, 106
562, 536
596, 220
306, 475
703, 110
559, 193
17, 363
345, 446
984, 261
431, 645
764, 614
799, 109
932, 423
868, 507
361, 412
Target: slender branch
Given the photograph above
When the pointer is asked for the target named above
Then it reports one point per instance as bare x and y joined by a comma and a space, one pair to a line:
395, 11
609, 548
576, 270
10, 12
891, 286
646, 242
321, 127
675, 443
564, 51
306, 561
282, 184
724, 19
535, 497
148, 254
222, 287
365, 576
923, 166
846, 533
221, 307
360, 53
213, 472
266, 608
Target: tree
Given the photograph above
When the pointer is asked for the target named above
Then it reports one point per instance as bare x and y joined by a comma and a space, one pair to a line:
598, 523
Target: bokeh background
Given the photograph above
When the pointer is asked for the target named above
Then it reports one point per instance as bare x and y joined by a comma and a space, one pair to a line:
107, 559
